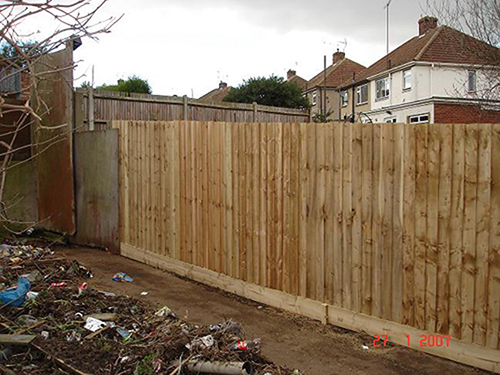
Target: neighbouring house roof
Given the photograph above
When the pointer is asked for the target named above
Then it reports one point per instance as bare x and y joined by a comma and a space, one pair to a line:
439, 45
336, 74
291, 76
216, 95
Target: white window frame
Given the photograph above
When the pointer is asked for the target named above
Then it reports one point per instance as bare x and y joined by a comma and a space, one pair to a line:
359, 96
391, 119
471, 74
344, 98
381, 91
407, 79
314, 98
419, 118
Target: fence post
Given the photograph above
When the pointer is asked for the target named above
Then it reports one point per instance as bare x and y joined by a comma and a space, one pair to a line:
255, 109
90, 108
185, 103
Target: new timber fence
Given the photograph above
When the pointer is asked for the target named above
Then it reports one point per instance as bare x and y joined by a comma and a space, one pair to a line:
391, 229
95, 108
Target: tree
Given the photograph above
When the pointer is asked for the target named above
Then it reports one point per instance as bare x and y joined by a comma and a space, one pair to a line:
272, 91
19, 57
132, 84
481, 20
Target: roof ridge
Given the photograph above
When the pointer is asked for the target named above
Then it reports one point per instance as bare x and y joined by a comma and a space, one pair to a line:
429, 42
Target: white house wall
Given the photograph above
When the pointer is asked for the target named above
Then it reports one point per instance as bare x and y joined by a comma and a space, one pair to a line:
402, 114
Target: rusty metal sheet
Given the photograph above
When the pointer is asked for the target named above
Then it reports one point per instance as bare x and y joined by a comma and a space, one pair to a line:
56, 199
97, 189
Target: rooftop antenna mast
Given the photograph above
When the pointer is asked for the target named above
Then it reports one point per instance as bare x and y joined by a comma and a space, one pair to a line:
386, 7
344, 43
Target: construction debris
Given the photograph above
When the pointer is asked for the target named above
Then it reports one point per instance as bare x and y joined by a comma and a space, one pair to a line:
65, 326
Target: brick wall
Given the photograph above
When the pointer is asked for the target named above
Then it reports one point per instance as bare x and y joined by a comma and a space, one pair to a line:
463, 114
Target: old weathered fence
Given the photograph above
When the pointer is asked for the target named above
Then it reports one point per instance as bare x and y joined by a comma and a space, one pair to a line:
388, 228
99, 107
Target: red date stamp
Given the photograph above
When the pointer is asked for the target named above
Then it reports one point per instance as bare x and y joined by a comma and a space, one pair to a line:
424, 341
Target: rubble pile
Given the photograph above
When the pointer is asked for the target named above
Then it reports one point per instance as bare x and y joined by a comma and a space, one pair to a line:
52, 322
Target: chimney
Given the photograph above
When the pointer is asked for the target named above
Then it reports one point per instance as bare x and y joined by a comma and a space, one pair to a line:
337, 56
426, 23
290, 74
222, 85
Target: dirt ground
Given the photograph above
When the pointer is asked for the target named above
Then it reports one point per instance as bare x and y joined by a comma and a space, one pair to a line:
287, 339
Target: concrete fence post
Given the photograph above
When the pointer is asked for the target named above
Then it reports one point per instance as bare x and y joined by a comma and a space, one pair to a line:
185, 104
90, 108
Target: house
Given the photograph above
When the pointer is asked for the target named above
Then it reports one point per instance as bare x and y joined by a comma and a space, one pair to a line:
435, 77
216, 95
14, 83
322, 90
294, 78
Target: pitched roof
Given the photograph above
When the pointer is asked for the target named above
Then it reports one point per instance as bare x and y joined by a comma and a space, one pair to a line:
336, 74
440, 45
301, 82
216, 95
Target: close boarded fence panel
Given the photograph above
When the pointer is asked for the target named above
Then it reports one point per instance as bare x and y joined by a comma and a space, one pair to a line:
95, 108
391, 229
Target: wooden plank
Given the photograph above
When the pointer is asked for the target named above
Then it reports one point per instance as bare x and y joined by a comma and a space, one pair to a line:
319, 212
421, 145
409, 167
329, 212
264, 196
125, 215
279, 204
148, 187
338, 205
431, 258
217, 204
248, 196
469, 262
255, 211
206, 195
312, 209
397, 225
303, 183
492, 333
236, 201
163, 188
445, 136
456, 229
294, 208
177, 189
182, 191
347, 218
287, 206
387, 196
157, 189
16, 339
366, 216
242, 198
483, 216
228, 198
458, 351
357, 245
143, 184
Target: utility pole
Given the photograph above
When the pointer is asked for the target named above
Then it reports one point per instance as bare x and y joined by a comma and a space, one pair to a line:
387, 24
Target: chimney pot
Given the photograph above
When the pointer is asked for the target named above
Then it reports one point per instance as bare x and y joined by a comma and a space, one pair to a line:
222, 85
290, 74
337, 56
426, 23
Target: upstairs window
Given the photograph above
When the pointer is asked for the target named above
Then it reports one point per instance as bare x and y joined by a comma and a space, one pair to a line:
407, 79
344, 99
382, 88
362, 95
314, 98
471, 86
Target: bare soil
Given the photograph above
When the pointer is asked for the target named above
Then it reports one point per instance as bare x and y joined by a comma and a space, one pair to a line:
288, 340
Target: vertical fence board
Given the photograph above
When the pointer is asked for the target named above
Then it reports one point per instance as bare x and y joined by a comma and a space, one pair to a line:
338, 206
377, 277
357, 245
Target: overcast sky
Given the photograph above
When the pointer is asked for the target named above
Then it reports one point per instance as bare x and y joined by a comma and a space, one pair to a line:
185, 46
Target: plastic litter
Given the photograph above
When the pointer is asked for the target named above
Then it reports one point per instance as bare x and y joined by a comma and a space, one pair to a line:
144, 293
32, 295
203, 342
45, 334
216, 367
122, 276
93, 324
26, 320
16, 296
107, 294
33, 276
81, 288
58, 285
164, 312
244, 345
228, 326
365, 347
124, 333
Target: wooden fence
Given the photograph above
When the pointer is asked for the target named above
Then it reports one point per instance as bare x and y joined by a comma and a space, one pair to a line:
94, 109
387, 228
